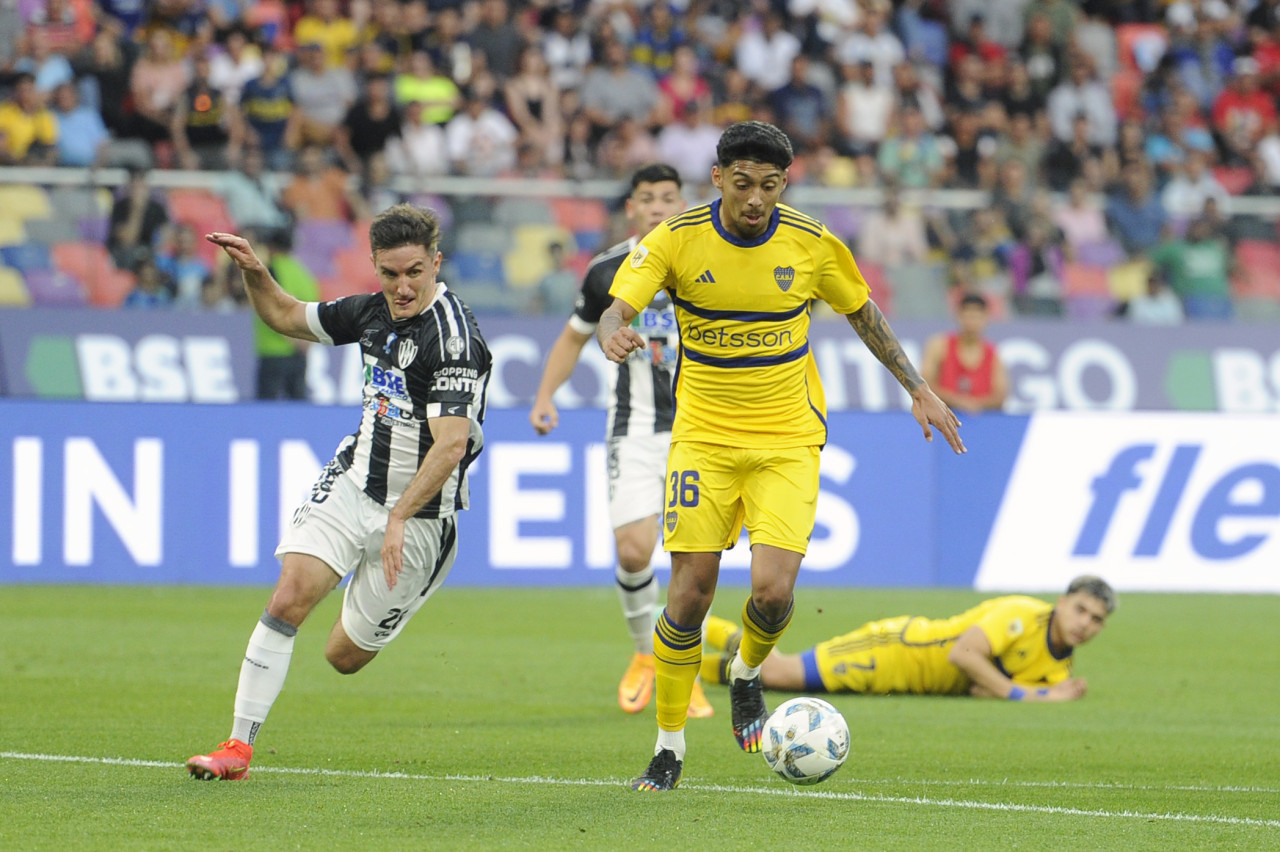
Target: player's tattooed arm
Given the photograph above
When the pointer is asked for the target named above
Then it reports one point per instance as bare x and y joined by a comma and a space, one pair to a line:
874, 330
617, 338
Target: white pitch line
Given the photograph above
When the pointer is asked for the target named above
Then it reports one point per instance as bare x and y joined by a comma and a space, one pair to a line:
714, 788
1069, 785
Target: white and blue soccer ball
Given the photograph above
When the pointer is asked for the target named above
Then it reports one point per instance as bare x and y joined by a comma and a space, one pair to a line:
805, 740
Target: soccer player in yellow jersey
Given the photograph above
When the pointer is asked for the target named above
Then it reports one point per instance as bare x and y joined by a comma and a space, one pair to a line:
1015, 647
750, 413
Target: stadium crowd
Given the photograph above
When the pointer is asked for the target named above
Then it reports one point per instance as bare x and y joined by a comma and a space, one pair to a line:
1109, 135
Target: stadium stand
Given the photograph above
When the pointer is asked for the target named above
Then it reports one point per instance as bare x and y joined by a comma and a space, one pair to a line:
1208, 85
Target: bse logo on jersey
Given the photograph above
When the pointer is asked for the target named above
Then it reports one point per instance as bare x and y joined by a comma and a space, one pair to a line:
383, 381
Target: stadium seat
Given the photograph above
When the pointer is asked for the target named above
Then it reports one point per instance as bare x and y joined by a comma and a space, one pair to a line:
50, 231
919, 290
1128, 280
73, 202
580, 214
13, 290
485, 238
1126, 93
591, 242
843, 220
94, 229
26, 256
351, 266
186, 204
50, 288
318, 261
83, 260
522, 211
109, 288
476, 267
881, 287
1234, 179
435, 202
1079, 279
1257, 272
23, 201
528, 260
12, 232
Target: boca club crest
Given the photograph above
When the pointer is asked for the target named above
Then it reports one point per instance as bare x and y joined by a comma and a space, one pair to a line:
784, 277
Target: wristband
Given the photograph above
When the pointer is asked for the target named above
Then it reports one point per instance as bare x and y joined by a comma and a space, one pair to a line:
1042, 692
1017, 693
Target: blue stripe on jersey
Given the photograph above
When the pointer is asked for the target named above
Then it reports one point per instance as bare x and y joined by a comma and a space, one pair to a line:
700, 210
702, 221
800, 227
750, 360
738, 316
738, 241
804, 217
812, 680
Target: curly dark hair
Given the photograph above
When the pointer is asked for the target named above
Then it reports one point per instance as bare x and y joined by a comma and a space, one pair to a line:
754, 141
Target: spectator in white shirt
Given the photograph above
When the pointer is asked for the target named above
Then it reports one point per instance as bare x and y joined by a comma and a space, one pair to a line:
764, 53
690, 143
482, 141
875, 42
1082, 93
864, 110
1190, 187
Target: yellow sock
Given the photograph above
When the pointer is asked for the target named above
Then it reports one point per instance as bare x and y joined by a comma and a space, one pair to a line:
677, 651
718, 632
760, 635
711, 668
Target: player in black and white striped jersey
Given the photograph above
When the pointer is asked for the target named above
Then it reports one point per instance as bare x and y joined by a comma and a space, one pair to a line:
383, 509
641, 409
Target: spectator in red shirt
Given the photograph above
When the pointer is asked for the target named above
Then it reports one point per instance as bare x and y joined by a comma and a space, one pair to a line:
1243, 113
964, 368
976, 43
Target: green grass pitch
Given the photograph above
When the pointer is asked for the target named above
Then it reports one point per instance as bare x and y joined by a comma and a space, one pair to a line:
492, 723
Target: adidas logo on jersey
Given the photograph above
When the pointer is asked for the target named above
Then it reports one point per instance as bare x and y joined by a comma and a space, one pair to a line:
706, 278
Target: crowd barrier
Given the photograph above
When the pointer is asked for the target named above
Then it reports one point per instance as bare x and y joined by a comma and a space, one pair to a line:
197, 494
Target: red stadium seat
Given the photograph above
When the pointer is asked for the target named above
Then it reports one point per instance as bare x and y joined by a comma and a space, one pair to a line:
1257, 272
108, 290
83, 260
881, 289
1140, 46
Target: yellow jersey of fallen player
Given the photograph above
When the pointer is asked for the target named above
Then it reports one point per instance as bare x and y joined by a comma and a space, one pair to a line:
908, 654
745, 375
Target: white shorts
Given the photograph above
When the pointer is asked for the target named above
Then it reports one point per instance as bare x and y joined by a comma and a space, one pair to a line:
342, 526
637, 470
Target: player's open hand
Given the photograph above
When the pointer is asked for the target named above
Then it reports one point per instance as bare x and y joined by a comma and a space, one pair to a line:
237, 248
393, 551
622, 343
930, 411
543, 416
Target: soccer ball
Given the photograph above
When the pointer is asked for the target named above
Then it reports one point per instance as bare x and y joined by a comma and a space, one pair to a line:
805, 740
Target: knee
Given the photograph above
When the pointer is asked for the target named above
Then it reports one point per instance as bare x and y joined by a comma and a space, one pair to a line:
344, 663
634, 554
772, 601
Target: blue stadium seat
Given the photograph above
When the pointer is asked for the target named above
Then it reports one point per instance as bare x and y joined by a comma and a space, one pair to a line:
27, 256
477, 267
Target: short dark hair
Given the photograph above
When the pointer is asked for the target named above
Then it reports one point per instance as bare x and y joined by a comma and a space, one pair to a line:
655, 173
755, 141
975, 299
404, 225
1094, 586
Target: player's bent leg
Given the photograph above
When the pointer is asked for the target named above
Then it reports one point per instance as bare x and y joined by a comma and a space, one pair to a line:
343, 654
304, 581
765, 617
699, 706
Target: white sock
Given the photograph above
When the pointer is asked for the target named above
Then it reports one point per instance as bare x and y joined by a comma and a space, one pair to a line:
639, 596
739, 670
673, 740
266, 662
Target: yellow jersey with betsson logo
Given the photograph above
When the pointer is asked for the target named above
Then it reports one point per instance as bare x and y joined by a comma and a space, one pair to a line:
745, 376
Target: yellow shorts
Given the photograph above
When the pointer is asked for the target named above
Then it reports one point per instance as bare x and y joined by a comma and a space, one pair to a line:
871, 659
712, 492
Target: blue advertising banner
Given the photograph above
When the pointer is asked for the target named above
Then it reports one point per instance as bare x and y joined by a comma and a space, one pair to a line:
157, 493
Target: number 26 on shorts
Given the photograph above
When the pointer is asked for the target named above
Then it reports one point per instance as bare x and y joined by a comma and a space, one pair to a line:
684, 489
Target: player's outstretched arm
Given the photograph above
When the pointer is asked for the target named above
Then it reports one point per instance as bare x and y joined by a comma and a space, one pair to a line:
561, 360
617, 339
972, 654
278, 309
926, 407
